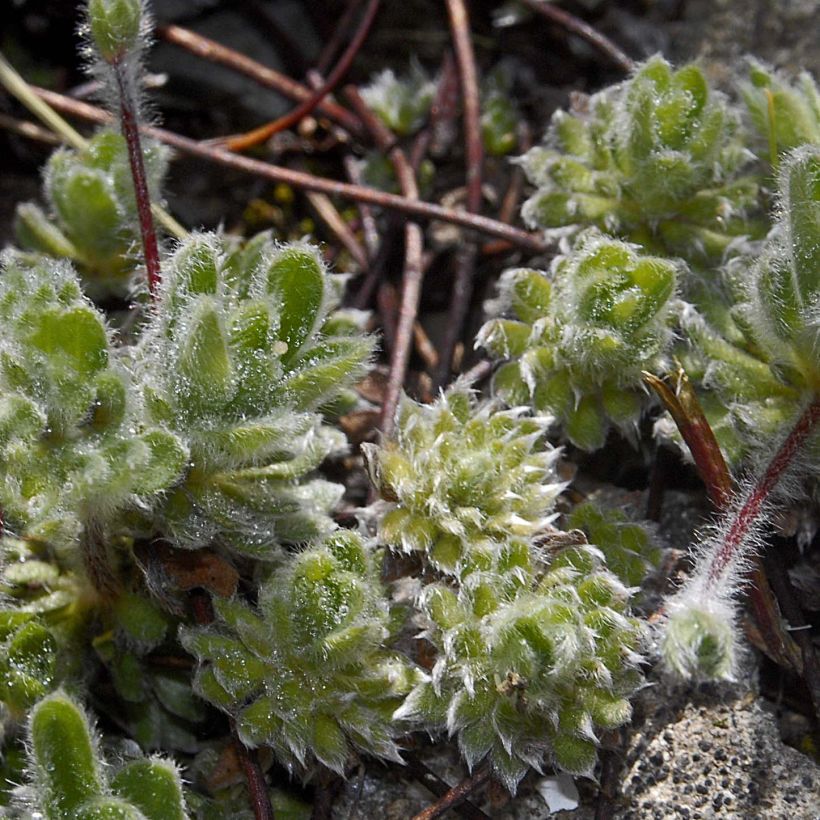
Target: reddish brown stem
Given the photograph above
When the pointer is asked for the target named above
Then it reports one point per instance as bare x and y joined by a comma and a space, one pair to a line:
257, 785
336, 39
745, 519
455, 795
131, 133
269, 78
465, 58
258, 135
685, 409
583, 30
431, 781
413, 260
299, 179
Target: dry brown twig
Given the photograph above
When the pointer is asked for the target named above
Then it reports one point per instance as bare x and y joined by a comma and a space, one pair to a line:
577, 26
309, 182
215, 52
474, 155
259, 135
413, 262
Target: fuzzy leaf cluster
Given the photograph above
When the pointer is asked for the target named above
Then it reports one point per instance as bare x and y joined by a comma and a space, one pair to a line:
628, 548
534, 657
239, 359
305, 671
657, 159
74, 450
761, 374
91, 216
70, 780
464, 476
579, 337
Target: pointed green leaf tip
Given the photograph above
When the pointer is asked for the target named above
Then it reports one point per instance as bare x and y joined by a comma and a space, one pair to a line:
297, 278
69, 774
153, 787
115, 27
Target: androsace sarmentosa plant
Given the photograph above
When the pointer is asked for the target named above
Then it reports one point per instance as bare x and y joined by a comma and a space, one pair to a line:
169, 550
534, 650
465, 477
237, 360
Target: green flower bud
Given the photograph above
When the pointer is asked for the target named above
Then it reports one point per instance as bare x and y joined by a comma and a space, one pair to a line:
115, 27
28, 664
700, 641
69, 777
153, 787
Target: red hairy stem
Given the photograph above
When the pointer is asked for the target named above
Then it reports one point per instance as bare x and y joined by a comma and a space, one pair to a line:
683, 405
746, 517
131, 132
